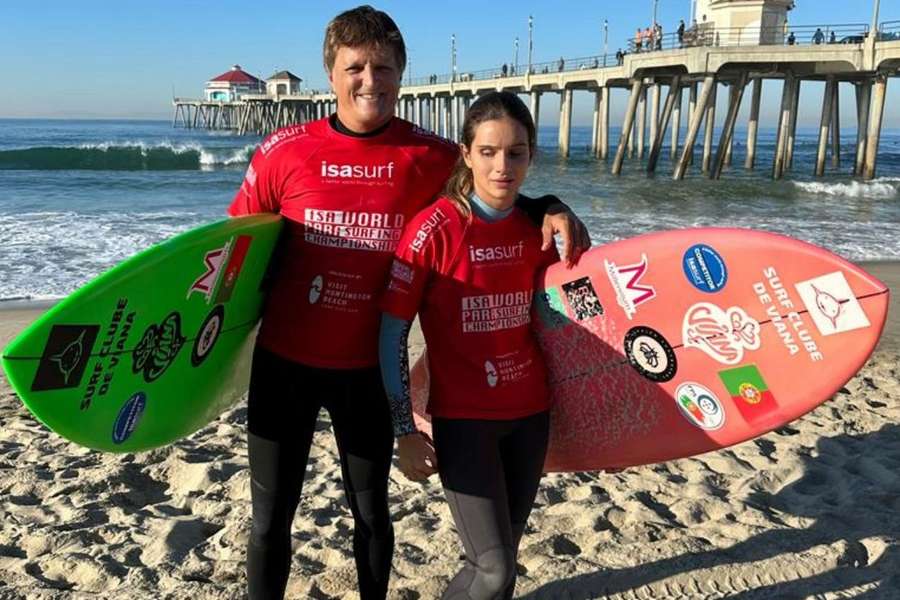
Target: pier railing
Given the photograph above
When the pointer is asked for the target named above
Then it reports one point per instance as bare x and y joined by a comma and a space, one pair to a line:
554, 66
706, 35
889, 30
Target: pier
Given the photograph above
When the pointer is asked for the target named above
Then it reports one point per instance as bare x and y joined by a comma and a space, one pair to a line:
704, 63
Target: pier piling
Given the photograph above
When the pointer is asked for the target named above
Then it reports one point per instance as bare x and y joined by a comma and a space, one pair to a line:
734, 106
565, 121
604, 123
825, 124
792, 130
784, 121
627, 125
709, 83
642, 122
655, 92
710, 128
674, 91
676, 124
753, 124
836, 128
535, 107
863, 100
879, 90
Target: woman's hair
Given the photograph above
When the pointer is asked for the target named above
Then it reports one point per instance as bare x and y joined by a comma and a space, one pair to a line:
490, 107
363, 27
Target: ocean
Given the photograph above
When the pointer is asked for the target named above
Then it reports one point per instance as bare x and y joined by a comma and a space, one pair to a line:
77, 196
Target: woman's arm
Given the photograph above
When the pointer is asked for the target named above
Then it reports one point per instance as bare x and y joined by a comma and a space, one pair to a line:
415, 451
393, 356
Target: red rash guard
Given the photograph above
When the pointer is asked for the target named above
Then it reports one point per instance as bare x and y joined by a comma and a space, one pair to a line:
471, 281
346, 201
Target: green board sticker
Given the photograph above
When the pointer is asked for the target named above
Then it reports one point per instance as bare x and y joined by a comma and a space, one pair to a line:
551, 308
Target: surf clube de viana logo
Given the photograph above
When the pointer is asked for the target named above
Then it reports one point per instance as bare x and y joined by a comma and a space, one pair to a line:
65, 357
158, 347
832, 304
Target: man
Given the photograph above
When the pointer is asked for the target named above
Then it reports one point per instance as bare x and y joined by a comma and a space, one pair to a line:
346, 185
681, 33
818, 36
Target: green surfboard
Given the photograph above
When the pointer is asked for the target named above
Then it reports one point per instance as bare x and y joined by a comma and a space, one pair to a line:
153, 349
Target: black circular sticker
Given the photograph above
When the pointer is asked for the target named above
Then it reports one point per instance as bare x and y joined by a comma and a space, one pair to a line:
650, 354
207, 336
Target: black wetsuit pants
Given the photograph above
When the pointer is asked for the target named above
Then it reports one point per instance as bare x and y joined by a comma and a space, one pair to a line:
284, 403
490, 471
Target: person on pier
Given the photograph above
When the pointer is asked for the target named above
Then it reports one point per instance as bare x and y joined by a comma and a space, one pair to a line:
490, 424
345, 185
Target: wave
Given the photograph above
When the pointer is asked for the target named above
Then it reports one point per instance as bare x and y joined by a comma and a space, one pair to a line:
883, 187
123, 157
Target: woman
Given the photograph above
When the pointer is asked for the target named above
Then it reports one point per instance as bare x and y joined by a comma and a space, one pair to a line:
467, 266
346, 185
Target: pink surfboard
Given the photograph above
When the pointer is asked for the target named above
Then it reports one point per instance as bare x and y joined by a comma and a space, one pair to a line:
676, 343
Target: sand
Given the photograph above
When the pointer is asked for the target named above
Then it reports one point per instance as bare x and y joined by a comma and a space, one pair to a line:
809, 511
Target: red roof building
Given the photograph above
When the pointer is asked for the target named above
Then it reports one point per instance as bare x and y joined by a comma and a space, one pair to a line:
231, 85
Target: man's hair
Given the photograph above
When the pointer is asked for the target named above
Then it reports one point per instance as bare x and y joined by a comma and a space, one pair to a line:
363, 27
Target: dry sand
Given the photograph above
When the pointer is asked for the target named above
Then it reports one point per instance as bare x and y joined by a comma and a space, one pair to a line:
809, 511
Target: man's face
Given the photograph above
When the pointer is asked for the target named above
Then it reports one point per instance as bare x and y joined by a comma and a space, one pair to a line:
366, 82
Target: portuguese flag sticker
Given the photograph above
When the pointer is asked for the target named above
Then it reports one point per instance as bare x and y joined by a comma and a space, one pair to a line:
750, 393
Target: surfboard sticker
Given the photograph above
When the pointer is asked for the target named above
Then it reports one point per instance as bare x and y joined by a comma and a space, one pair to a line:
583, 299
626, 281
704, 268
750, 392
832, 304
205, 284
207, 335
129, 416
233, 268
723, 334
65, 357
700, 406
650, 354
158, 347
551, 308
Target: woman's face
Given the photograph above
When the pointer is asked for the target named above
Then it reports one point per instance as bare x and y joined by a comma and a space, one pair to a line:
366, 82
499, 158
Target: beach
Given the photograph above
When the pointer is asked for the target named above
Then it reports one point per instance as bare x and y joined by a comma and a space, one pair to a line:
809, 510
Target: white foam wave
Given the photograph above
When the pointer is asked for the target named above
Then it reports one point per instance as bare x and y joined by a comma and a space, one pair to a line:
236, 157
143, 146
883, 187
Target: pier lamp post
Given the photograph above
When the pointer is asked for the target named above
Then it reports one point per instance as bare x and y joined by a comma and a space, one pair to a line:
452, 57
605, 40
516, 59
875, 10
655, 4
530, 37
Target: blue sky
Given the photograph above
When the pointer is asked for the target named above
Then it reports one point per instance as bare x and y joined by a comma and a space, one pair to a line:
95, 59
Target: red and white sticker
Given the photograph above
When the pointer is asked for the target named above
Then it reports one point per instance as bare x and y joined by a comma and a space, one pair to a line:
723, 334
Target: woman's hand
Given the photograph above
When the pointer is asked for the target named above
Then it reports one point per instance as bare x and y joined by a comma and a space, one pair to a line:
415, 452
575, 237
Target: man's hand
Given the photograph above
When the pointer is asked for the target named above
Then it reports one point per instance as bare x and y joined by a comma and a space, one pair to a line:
417, 459
575, 237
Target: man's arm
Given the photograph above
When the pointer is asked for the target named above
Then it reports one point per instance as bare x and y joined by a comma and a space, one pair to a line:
555, 217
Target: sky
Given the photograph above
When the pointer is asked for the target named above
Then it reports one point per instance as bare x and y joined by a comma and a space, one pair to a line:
126, 59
